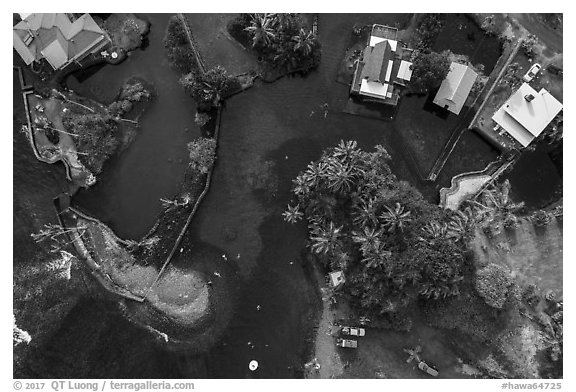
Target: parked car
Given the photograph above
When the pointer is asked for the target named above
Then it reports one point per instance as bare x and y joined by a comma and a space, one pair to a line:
425, 368
352, 331
347, 343
532, 72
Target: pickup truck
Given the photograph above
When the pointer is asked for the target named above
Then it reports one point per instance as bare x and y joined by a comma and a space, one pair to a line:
347, 343
425, 368
352, 331
532, 72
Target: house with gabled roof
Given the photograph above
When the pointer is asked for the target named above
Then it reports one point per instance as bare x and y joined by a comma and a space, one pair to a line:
527, 113
58, 38
456, 87
382, 67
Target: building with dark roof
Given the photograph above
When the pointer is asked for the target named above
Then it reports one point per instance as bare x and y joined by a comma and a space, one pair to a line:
382, 68
57, 39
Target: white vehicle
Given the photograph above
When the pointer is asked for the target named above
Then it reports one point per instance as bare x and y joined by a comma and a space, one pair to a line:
425, 368
532, 72
347, 343
353, 331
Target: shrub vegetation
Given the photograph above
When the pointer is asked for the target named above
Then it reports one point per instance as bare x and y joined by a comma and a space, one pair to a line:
202, 154
493, 283
430, 69
132, 91
178, 48
210, 87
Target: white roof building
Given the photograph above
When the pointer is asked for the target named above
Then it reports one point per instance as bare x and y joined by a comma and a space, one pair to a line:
456, 87
404, 71
336, 278
526, 113
376, 40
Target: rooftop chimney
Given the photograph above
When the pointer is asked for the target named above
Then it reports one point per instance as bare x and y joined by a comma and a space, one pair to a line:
529, 97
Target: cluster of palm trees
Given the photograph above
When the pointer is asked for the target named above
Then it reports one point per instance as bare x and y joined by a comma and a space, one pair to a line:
364, 221
459, 227
282, 39
495, 208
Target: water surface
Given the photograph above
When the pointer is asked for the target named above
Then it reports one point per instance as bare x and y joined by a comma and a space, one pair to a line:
127, 193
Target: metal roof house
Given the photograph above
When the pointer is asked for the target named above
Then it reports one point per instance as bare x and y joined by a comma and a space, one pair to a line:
526, 113
57, 38
456, 87
381, 67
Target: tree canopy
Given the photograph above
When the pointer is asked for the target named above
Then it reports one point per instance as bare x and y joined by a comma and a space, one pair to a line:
281, 39
429, 69
208, 88
393, 246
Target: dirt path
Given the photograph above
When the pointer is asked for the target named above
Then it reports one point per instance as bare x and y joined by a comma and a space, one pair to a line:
331, 365
193, 45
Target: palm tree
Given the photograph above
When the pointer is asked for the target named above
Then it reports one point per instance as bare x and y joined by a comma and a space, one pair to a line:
314, 172
326, 240
368, 238
433, 231
340, 176
461, 225
301, 187
262, 30
345, 150
377, 258
395, 218
305, 41
292, 214
496, 204
365, 213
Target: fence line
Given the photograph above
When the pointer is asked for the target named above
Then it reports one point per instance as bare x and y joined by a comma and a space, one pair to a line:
194, 209
192, 42
458, 132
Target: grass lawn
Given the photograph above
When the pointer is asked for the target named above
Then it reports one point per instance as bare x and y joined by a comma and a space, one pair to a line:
425, 127
533, 254
217, 47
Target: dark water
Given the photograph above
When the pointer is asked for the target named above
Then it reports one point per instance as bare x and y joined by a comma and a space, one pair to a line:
281, 125
536, 179
127, 194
